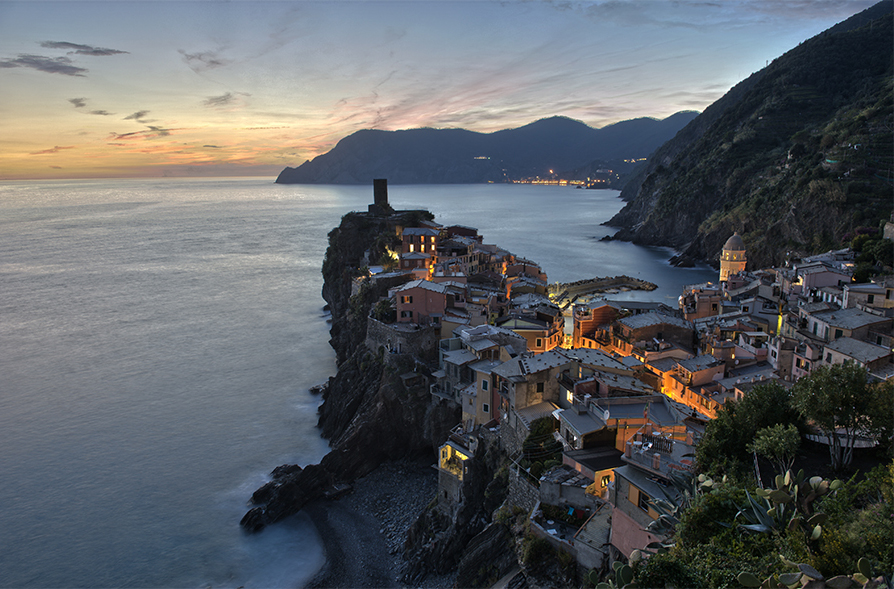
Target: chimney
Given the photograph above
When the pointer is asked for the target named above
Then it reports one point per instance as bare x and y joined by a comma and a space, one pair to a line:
656, 461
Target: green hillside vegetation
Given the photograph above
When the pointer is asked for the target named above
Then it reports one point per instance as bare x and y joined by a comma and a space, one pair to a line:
729, 524
727, 532
799, 163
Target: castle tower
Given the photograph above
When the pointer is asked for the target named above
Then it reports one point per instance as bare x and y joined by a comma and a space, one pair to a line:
732, 260
380, 204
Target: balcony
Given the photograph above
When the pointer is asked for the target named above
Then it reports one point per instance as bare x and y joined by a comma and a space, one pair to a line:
659, 454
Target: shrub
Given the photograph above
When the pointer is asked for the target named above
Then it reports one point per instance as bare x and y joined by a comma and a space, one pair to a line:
707, 516
663, 570
537, 552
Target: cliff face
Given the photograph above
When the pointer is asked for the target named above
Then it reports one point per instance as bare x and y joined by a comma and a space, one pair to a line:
368, 414
793, 158
437, 543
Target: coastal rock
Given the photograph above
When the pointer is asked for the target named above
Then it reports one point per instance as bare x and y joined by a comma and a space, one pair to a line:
682, 261
488, 556
436, 543
368, 414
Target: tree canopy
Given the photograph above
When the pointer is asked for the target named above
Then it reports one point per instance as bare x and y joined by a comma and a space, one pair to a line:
724, 449
839, 401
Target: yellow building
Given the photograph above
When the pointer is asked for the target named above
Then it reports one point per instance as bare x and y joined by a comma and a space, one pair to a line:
732, 260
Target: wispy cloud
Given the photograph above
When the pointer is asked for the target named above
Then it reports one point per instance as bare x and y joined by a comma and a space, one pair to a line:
151, 133
80, 49
56, 149
50, 65
82, 102
228, 99
204, 60
159, 132
139, 116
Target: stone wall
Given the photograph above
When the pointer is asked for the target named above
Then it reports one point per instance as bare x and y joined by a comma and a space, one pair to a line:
521, 491
449, 494
419, 342
512, 433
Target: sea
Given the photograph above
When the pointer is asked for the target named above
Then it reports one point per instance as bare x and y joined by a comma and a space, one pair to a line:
157, 342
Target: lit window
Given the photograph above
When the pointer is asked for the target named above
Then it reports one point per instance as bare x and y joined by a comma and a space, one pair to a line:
412, 248
406, 299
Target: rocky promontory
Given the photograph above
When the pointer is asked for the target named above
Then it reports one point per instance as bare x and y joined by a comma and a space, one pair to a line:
369, 414
562, 292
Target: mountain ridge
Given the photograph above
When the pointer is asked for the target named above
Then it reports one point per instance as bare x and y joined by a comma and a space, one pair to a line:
795, 157
438, 156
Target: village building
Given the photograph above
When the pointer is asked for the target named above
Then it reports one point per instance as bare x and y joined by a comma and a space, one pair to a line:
465, 367
424, 302
701, 300
648, 336
806, 358
591, 319
805, 279
455, 471
875, 359
542, 325
872, 295
830, 325
782, 356
652, 457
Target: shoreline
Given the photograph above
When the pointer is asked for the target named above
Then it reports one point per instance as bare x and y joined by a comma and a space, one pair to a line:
363, 532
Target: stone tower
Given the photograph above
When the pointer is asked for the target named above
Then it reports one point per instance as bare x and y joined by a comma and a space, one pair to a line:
732, 260
380, 204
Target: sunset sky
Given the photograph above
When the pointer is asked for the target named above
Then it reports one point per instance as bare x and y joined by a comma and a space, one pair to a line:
169, 88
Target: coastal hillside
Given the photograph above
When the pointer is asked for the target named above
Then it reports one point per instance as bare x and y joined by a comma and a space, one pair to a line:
797, 158
458, 156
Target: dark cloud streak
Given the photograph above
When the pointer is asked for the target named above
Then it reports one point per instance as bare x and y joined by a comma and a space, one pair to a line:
151, 133
55, 149
219, 100
81, 49
138, 116
204, 60
50, 65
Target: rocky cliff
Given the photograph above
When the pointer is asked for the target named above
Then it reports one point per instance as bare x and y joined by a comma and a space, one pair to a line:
368, 413
794, 158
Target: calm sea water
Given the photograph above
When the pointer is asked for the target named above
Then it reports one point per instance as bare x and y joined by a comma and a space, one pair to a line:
157, 340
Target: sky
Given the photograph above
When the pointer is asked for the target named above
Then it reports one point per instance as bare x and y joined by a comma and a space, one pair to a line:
212, 88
